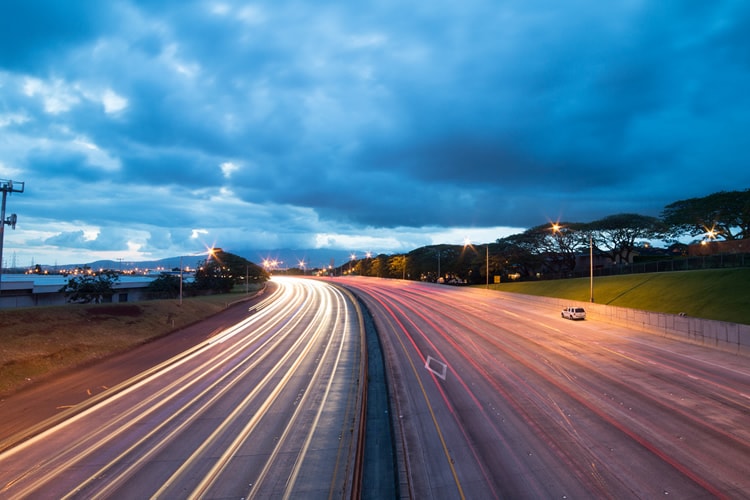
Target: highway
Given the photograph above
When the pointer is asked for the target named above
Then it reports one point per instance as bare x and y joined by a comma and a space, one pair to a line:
489, 396
265, 408
494, 397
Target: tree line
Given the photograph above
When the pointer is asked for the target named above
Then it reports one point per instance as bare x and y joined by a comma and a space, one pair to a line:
554, 247
546, 248
220, 272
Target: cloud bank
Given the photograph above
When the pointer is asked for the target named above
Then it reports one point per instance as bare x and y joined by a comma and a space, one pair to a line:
148, 129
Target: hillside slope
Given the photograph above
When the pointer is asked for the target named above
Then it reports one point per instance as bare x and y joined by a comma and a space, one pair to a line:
719, 294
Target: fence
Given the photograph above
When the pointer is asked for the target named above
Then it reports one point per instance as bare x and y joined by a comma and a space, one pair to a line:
729, 337
719, 261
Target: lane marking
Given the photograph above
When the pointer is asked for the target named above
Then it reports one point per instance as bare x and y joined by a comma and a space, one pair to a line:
440, 373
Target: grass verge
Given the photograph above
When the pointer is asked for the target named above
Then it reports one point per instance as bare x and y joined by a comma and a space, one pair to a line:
40, 341
718, 294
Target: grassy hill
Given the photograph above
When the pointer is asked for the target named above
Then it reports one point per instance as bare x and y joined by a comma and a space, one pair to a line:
719, 294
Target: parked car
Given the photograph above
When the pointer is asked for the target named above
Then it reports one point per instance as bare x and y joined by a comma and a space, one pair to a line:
573, 313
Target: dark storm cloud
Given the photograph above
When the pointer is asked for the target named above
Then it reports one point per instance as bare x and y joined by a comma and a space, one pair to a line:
32, 32
299, 121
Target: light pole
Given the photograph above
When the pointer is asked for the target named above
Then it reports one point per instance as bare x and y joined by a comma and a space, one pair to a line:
366, 265
208, 252
7, 186
467, 243
488, 266
438, 273
591, 268
556, 228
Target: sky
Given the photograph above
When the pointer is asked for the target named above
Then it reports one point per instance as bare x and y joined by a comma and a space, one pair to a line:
150, 129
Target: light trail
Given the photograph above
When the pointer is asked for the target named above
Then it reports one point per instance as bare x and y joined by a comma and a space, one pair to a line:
205, 406
124, 423
550, 408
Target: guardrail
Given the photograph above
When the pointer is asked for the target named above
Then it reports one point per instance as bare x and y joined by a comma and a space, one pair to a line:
730, 337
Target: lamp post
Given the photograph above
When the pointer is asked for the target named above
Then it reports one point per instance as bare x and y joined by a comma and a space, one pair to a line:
211, 251
467, 243
438, 274
487, 257
591, 268
556, 228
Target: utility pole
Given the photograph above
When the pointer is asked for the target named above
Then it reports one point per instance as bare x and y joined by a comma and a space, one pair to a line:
591, 268
488, 266
7, 186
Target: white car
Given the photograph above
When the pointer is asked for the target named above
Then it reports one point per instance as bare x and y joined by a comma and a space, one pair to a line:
574, 313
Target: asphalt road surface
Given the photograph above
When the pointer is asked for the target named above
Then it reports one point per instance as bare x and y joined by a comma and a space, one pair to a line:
494, 397
490, 396
263, 408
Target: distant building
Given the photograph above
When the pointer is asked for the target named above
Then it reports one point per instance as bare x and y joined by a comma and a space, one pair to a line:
29, 290
583, 262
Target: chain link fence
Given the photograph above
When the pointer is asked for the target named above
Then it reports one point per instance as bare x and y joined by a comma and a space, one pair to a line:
719, 261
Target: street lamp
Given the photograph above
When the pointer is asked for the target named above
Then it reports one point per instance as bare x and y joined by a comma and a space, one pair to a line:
709, 236
487, 271
211, 252
591, 268
556, 228
467, 243
438, 273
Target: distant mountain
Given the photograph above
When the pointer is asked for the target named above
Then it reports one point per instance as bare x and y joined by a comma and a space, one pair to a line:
312, 258
128, 265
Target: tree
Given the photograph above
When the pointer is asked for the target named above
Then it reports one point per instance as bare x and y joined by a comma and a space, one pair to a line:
472, 264
545, 248
560, 242
423, 262
724, 215
615, 235
166, 286
378, 266
397, 266
91, 287
222, 270
520, 253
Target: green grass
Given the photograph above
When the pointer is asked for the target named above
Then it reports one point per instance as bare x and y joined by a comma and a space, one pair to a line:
719, 294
